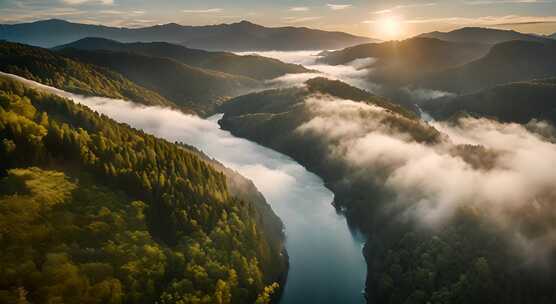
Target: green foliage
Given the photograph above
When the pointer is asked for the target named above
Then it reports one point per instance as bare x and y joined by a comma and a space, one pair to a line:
51, 69
114, 215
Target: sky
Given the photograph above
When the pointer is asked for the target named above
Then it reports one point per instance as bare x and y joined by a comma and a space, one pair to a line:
381, 19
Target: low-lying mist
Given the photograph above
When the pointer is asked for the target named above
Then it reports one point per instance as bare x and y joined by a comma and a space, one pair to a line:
357, 73
502, 172
354, 73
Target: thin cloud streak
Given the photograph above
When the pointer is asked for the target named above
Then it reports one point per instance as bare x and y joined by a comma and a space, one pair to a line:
299, 9
339, 7
203, 11
80, 2
491, 2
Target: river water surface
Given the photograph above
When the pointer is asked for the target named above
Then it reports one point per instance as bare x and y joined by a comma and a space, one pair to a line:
326, 262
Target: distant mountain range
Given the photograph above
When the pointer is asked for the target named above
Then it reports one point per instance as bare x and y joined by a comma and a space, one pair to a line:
483, 36
242, 36
256, 67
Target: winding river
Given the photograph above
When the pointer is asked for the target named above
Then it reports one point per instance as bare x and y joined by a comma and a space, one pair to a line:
326, 262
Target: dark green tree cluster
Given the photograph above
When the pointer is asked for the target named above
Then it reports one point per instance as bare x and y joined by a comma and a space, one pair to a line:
52, 69
114, 215
467, 261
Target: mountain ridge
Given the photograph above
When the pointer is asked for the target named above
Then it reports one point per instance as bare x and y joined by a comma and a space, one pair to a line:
514, 61
518, 102
482, 35
51, 68
232, 37
252, 66
184, 85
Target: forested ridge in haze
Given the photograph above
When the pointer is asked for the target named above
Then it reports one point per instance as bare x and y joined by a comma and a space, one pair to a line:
252, 66
518, 102
404, 62
513, 61
188, 87
52, 69
96, 212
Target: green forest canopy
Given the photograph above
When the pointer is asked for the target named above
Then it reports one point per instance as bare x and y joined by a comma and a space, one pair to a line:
92, 211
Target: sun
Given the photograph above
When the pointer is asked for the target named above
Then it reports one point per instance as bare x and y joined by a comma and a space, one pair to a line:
390, 27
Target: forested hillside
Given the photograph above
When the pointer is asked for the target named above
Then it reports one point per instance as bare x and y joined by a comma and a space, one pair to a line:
506, 62
256, 67
518, 102
377, 161
402, 62
186, 86
51, 69
93, 211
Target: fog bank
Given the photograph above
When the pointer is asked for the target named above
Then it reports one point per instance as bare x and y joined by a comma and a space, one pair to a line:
503, 172
354, 73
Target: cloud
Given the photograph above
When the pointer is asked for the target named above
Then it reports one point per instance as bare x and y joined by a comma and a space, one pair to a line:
502, 172
381, 12
338, 7
300, 19
26, 14
421, 94
403, 6
79, 2
486, 20
491, 2
355, 73
203, 11
299, 9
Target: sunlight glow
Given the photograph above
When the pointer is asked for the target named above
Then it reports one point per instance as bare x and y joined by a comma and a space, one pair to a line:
390, 27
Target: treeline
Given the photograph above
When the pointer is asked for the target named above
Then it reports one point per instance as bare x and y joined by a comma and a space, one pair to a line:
114, 215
